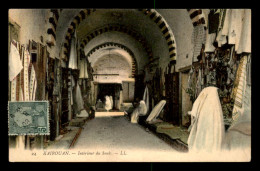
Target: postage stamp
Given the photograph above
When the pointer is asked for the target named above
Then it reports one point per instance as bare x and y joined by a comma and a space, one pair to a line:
28, 118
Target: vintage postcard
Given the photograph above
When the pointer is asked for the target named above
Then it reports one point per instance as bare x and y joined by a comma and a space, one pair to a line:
129, 85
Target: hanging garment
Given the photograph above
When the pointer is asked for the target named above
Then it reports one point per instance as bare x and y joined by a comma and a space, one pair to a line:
221, 39
73, 53
213, 20
235, 27
156, 111
146, 98
107, 103
199, 83
83, 73
248, 70
32, 83
141, 110
26, 75
15, 63
78, 99
207, 126
210, 38
244, 44
238, 93
198, 38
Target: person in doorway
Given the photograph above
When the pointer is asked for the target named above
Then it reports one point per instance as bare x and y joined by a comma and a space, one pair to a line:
107, 103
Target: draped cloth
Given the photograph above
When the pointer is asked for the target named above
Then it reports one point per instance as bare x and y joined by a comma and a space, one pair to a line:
73, 53
108, 105
207, 127
78, 99
156, 111
141, 110
237, 27
83, 73
146, 98
15, 63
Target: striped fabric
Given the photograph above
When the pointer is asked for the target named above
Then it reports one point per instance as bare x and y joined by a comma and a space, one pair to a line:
239, 88
23, 87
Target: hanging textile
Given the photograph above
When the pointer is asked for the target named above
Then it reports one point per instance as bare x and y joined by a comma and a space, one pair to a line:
78, 99
210, 38
239, 90
245, 39
248, 71
213, 21
156, 111
199, 83
83, 73
73, 53
235, 27
15, 63
146, 98
141, 110
26, 75
198, 38
207, 126
32, 83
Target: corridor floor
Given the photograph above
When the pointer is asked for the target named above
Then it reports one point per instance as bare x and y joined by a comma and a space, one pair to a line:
116, 139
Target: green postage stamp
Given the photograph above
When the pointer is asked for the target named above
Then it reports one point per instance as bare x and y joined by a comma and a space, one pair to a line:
28, 118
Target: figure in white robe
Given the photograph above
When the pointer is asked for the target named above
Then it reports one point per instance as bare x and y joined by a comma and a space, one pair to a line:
207, 125
107, 103
156, 111
141, 110
111, 101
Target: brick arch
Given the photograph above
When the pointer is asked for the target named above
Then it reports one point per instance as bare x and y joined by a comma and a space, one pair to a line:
118, 28
165, 29
151, 13
118, 45
53, 18
197, 17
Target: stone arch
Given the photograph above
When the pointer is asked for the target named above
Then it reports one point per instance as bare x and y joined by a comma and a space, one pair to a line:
119, 28
120, 46
153, 14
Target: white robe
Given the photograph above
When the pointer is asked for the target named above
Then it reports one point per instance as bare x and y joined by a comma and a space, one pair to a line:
73, 54
15, 63
207, 132
156, 111
139, 111
108, 103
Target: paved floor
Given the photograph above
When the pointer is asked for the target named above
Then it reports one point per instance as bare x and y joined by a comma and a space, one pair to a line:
122, 141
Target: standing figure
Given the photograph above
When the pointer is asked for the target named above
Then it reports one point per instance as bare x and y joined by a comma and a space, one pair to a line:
107, 103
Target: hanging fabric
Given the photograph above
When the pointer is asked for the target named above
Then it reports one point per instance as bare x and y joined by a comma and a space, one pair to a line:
15, 63
198, 38
210, 38
73, 53
146, 98
81, 69
33, 83
78, 99
26, 75
238, 93
235, 27
207, 127
213, 21
156, 111
244, 44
